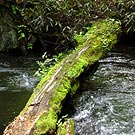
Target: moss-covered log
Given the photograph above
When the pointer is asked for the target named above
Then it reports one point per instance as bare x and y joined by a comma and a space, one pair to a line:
40, 115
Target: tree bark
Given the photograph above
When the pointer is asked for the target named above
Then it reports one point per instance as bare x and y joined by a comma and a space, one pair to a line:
40, 114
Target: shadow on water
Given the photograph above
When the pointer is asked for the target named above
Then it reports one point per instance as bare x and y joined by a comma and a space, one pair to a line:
16, 84
106, 103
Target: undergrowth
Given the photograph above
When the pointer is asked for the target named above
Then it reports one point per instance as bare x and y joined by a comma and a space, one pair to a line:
53, 22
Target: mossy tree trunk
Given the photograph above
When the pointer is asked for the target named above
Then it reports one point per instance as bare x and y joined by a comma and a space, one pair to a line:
40, 114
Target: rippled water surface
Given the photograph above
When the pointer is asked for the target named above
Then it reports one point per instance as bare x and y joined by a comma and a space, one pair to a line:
16, 84
106, 105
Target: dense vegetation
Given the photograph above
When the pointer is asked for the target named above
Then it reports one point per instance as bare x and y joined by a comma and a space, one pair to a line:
51, 23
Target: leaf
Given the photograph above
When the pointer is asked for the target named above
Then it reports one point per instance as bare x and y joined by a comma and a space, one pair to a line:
22, 35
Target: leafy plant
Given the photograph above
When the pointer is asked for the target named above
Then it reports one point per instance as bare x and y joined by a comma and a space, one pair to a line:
126, 13
47, 63
20, 31
53, 22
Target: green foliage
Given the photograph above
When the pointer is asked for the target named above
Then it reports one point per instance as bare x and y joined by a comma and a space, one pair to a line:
20, 31
80, 38
68, 16
29, 45
47, 64
126, 13
65, 126
53, 22
15, 9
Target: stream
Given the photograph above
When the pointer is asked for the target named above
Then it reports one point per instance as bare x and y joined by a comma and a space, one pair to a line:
16, 84
106, 103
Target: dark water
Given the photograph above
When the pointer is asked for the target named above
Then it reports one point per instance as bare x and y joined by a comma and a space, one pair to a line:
106, 105
16, 84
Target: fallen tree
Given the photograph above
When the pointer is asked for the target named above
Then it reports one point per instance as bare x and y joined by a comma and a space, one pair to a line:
40, 114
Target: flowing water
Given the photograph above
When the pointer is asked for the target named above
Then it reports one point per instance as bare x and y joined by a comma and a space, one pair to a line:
106, 105
16, 84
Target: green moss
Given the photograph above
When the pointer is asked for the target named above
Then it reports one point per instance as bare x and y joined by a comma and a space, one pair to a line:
46, 122
74, 87
93, 45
